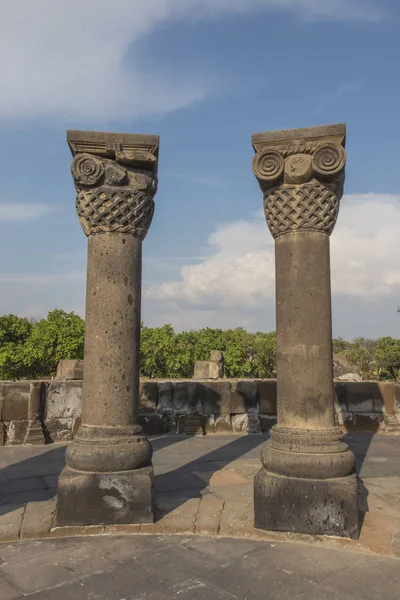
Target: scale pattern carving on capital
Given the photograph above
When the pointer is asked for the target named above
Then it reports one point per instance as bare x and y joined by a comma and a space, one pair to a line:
113, 198
302, 185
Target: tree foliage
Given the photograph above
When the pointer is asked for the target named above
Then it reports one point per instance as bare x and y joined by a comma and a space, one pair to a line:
30, 349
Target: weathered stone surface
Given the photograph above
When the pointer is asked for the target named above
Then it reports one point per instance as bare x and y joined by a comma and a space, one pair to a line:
148, 396
180, 520
222, 424
266, 396
266, 422
61, 429
23, 432
70, 369
215, 397
184, 399
21, 401
243, 396
301, 175
360, 397
209, 515
206, 369
38, 520
191, 425
387, 400
165, 398
105, 498
159, 424
246, 423
304, 505
64, 400
10, 522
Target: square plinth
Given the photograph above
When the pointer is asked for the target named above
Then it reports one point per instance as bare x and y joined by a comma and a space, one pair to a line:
313, 506
119, 498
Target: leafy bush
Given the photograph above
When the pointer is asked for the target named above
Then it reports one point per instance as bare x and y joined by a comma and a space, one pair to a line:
30, 349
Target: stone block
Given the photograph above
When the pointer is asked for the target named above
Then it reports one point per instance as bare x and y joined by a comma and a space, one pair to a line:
222, 424
23, 432
157, 424
191, 424
38, 520
148, 394
246, 423
397, 397
266, 422
180, 520
70, 369
311, 506
185, 401
214, 396
243, 396
21, 400
266, 396
209, 424
361, 396
341, 395
217, 356
207, 369
362, 422
114, 498
209, 515
387, 401
10, 522
61, 430
165, 399
64, 400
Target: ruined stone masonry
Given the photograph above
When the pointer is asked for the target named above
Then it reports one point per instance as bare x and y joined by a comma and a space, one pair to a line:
307, 483
109, 475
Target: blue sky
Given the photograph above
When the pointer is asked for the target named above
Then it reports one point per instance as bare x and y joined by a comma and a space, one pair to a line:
204, 75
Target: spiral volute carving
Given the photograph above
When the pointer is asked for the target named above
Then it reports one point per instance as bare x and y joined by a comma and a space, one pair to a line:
87, 169
329, 159
268, 166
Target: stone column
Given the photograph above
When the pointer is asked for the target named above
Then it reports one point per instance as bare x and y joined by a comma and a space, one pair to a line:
307, 483
109, 475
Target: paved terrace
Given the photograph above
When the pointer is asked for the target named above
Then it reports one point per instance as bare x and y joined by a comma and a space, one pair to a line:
203, 486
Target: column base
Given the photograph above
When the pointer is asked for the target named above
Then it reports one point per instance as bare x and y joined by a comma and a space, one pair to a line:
313, 506
114, 498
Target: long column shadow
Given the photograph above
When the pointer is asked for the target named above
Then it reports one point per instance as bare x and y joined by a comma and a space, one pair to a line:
35, 479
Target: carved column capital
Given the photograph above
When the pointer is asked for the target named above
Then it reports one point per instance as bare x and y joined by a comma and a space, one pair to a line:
301, 174
115, 176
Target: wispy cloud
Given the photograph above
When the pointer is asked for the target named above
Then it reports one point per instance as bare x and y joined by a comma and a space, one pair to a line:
16, 213
69, 59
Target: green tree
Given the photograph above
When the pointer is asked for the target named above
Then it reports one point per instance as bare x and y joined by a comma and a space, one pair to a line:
14, 333
60, 336
387, 358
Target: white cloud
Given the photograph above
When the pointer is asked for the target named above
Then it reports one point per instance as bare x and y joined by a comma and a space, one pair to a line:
239, 271
11, 213
68, 58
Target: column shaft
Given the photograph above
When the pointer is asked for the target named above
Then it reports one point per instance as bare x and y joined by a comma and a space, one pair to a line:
304, 334
112, 338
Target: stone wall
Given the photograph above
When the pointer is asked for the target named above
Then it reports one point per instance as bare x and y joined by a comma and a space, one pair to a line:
39, 412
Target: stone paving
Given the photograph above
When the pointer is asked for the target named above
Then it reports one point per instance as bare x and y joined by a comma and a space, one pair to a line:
203, 485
